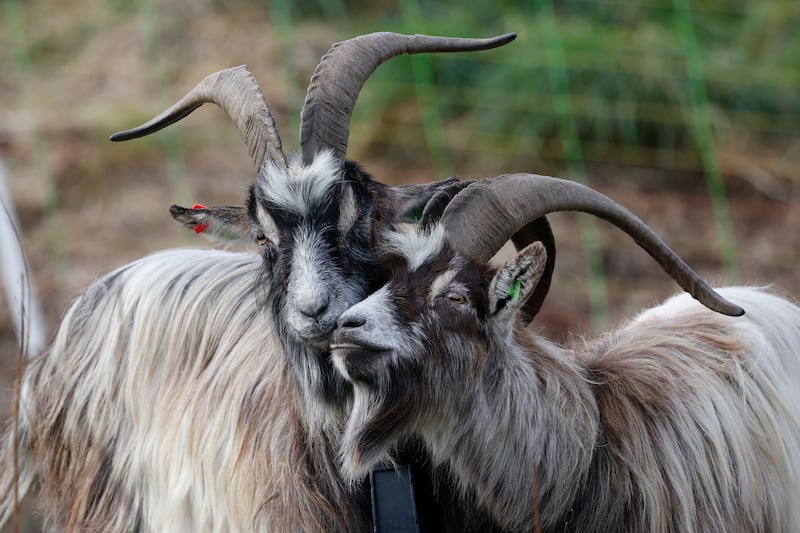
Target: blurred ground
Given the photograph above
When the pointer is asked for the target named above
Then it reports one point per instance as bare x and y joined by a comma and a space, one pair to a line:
87, 205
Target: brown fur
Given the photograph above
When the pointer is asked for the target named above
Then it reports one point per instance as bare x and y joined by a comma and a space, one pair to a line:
680, 420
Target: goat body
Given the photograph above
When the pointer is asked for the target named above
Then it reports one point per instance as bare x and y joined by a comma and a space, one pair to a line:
680, 420
181, 416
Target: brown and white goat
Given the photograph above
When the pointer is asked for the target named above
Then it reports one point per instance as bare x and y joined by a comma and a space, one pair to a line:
193, 390
681, 419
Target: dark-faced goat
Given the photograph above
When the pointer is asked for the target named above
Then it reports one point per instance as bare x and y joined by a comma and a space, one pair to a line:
682, 419
193, 390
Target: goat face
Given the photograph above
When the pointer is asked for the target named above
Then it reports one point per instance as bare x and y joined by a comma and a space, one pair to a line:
315, 226
423, 335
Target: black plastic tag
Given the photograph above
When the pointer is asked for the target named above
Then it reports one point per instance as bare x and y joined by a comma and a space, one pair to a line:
393, 507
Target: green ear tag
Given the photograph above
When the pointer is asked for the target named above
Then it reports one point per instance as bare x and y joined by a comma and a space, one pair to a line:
513, 292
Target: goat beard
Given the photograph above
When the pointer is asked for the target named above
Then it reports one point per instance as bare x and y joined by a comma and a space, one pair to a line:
326, 396
381, 416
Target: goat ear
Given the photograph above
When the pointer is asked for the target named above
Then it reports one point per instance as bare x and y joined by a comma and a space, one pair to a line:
516, 281
409, 201
225, 224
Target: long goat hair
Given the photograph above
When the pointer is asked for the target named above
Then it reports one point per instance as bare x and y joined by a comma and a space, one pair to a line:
682, 419
179, 416
194, 390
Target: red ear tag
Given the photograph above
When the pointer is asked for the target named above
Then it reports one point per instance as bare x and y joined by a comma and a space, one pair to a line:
200, 228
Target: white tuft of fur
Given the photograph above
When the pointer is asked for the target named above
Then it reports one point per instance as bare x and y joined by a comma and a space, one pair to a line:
300, 187
417, 247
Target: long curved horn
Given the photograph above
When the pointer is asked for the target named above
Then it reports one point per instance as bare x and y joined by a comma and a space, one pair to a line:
337, 80
536, 230
237, 92
483, 216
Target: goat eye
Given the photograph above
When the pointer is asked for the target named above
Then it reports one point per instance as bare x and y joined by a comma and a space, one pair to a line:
261, 239
456, 297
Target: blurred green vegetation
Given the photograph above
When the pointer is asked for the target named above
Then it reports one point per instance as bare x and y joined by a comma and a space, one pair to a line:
697, 95
627, 71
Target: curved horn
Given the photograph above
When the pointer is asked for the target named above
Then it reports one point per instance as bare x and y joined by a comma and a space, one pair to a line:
439, 201
237, 92
506, 203
337, 80
536, 230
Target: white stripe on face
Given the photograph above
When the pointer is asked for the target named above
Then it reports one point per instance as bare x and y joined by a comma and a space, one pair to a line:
307, 285
348, 211
267, 224
442, 282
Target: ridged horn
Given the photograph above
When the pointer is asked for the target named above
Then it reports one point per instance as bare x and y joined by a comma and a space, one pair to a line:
342, 71
439, 201
237, 92
484, 215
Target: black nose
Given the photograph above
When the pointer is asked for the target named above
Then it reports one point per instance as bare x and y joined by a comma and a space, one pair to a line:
352, 321
315, 308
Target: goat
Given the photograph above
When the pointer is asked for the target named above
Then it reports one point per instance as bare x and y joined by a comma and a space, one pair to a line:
681, 419
193, 390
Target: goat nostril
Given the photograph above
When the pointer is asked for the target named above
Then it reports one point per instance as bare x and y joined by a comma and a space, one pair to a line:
352, 321
314, 308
